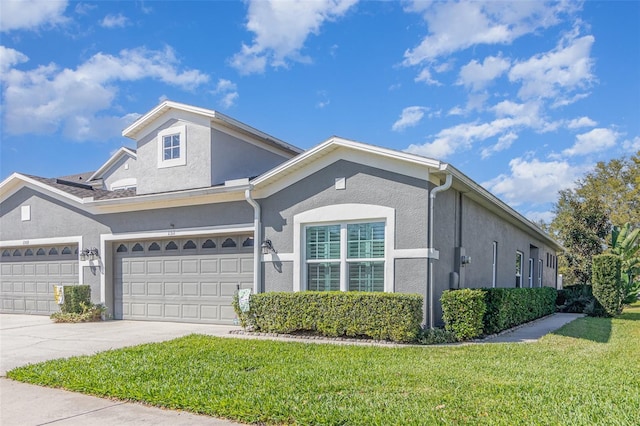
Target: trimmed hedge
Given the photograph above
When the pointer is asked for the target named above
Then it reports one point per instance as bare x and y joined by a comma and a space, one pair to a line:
508, 307
470, 313
607, 285
463, 311
382, 316
75, 296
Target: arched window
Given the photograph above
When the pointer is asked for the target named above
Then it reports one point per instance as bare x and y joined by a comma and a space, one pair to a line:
40, 252
228, 243
66, 250
208, 244
137, 247
122, 249
28, 252
53, 251
171, 246
248, 242
6, 253
189, 245
17, 252
154, 247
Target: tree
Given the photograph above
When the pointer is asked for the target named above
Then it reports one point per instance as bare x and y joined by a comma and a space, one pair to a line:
583, 215
617, 184
625, 242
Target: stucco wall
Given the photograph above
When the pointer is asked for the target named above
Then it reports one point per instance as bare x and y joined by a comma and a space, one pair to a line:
364, 185
233, 158
118, 171
196, 173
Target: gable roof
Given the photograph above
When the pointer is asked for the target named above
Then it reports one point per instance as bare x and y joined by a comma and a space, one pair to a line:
141, 123
397, 161
122, 152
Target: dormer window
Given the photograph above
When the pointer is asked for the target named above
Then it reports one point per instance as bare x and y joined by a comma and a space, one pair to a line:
172, 148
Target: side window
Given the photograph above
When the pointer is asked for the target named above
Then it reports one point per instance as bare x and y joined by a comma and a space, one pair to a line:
172, 147
519, 268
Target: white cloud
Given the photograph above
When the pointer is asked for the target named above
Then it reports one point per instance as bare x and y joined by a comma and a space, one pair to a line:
478, 23
77, 101
324, 99
504, 142
425, 77
533, 181
595, 140
115, 21
562, 70
478, 75
409, 117
31, 14
8, 58
537, 216
577, 123
281, 29
228, 92
633, 145
84, 8
510, 117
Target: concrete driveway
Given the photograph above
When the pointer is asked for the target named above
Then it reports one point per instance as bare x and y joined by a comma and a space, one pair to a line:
27, 339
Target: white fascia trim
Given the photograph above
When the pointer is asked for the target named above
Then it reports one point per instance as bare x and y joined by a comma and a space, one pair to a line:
339, 213
255, 141
142, 122
492, 200
111, 161
76, 239
166, 233
37, 186
335, 142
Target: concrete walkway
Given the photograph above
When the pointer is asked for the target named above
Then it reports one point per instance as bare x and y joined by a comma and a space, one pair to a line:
533, 330
27, 339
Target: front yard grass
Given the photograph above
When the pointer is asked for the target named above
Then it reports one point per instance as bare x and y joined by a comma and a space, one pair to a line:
586, 373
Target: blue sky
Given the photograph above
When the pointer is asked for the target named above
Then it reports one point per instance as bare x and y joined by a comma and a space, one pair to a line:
523, 97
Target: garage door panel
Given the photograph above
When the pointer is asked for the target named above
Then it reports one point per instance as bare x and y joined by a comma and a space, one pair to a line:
229, 266
209, 289
209, 266
53, 269
190, 289
66, 269
171, 266
31, 270
189, 266
154, 288
172, 311
136, 267
193, 283
138, 289
17, 270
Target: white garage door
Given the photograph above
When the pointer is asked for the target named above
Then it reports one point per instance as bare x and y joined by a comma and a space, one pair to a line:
184, 279
28, 274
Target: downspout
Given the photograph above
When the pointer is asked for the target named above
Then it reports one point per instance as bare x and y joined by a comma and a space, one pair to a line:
431, 249
257, 264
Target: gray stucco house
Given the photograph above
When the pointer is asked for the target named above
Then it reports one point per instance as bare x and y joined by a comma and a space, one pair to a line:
205, 205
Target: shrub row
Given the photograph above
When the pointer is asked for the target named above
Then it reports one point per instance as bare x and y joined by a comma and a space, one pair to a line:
469, 313
508, 307
382, 316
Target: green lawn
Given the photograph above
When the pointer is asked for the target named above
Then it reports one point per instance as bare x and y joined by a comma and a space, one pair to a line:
587, 373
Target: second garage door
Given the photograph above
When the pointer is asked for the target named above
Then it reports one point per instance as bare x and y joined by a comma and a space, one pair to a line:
186, 279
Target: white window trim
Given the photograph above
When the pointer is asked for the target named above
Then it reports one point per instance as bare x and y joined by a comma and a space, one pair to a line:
540, 264
494, 265
25, 213
531, 272
125, 183
519, 272
343, 213
180, 161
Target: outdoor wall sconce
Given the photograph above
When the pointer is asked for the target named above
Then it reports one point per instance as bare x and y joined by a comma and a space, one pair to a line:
267, 247
89, 254
465, 260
